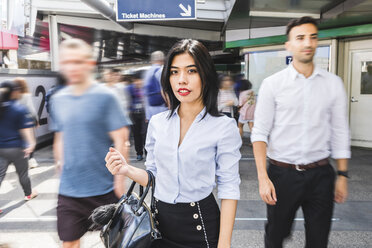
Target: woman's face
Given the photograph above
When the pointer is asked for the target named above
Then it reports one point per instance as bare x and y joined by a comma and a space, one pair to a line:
185, 79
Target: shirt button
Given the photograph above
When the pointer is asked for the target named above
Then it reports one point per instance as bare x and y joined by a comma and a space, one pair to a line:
192, 204
196, 216
198, 227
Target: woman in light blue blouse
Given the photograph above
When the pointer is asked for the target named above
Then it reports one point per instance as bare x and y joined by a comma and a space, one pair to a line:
191, 148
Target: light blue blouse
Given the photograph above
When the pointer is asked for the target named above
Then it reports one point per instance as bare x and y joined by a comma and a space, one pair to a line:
208, 153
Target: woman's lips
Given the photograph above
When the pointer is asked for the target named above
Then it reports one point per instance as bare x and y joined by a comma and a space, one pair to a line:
183, 92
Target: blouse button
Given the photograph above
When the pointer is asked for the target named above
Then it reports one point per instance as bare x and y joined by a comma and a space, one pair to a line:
198, 227
196, 216
192, 204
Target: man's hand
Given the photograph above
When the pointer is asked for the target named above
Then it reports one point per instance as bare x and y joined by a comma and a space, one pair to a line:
267, 191
116, 163
341, 189
29, 150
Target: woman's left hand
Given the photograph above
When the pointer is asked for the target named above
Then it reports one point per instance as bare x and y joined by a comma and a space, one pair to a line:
116, 163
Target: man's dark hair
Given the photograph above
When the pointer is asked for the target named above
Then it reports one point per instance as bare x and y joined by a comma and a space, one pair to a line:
205, 68
115, 70
298, 22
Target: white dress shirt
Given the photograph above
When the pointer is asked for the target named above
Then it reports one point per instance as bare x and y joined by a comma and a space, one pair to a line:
187, 173
302, 120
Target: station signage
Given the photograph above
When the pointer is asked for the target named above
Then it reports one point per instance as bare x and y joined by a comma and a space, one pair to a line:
155, 10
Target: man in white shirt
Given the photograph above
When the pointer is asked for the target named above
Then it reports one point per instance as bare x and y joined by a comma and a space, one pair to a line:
301, 120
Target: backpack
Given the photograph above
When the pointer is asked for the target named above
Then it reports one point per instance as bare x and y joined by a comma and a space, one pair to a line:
153, 90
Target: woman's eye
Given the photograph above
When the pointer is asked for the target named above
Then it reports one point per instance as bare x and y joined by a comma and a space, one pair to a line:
173, 72
192, 71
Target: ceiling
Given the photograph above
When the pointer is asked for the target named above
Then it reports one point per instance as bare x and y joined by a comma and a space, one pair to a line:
248, 14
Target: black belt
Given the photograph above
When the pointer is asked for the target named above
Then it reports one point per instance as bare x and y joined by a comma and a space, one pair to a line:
300, 167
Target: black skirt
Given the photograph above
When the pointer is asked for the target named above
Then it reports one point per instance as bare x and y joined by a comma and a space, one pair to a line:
186, 225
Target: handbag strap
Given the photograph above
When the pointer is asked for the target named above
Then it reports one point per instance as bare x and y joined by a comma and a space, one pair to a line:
152, 190
143, 196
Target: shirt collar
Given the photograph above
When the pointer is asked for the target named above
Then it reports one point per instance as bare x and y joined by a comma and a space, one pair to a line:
294, 73
198, 117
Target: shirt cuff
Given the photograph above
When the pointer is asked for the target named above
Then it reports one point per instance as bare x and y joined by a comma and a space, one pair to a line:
229, 191
259, 137
341, 154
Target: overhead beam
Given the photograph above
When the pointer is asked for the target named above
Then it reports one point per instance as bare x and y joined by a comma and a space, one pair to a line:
287, 15
338, 7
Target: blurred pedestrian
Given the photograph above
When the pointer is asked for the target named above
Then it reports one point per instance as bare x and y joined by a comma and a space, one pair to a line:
137, 113
17, 141
25, 98
155, 99
88, 118
226, 97
113, 81
189, 147
61, 83
301, 120
247, 104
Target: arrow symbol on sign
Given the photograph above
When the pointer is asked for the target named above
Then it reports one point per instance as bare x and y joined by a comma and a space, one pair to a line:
186, 12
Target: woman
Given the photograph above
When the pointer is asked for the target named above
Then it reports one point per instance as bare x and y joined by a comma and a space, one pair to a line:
247, 105
188, 147
16, 137
25, 99
226, 97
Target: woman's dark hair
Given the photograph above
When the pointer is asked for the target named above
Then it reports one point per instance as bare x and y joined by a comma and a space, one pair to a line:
206, 70
6, 89
245, 85
61, 80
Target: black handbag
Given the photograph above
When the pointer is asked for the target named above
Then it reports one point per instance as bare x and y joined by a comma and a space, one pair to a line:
133, 224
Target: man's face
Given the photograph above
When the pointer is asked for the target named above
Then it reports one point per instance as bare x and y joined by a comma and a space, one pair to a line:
302, 42
76, 65
115, 77
107, 76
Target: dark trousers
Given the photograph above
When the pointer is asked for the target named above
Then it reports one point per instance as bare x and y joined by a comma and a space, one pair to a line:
17, 157
139, 131
313, 191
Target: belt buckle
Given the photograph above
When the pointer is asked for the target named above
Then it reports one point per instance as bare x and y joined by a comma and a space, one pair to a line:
298, 168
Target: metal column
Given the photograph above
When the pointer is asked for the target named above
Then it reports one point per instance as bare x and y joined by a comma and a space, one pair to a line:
54, 42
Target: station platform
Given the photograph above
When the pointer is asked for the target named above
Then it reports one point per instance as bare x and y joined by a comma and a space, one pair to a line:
33, 224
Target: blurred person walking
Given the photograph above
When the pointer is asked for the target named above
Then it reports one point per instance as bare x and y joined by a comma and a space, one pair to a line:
113, 80
137, 113
17, 141
154, 96
300, 121
61, 83
227, 99
191, 148
25, 98
247, 105
88, 118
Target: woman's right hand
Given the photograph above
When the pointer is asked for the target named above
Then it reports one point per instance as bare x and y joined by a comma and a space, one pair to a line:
116, 163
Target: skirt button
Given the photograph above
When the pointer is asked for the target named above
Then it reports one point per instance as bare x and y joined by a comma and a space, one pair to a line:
198, 227
192, 204
156, 211
196, 216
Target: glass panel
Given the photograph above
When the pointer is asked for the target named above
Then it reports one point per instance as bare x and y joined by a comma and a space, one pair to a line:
366, 78
34, 51
264, 64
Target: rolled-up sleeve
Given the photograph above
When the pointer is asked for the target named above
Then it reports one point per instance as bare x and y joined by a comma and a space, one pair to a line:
264, 113
227, 158
150, 143
340, 135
